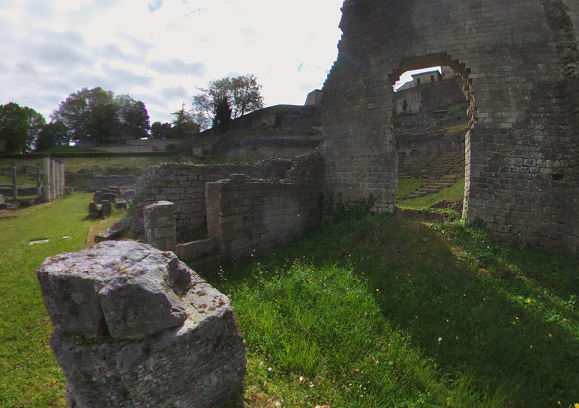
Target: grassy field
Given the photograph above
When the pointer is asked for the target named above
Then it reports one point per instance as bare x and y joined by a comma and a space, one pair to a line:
29, 375
376, 312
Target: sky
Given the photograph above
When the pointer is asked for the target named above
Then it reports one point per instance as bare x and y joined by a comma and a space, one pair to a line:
160, 51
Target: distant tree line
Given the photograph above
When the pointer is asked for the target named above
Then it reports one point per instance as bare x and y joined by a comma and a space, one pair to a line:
101, 116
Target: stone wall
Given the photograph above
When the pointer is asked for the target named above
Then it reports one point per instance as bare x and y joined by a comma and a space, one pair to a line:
246, 215
283, 144
184, 185
518, 61
110, 181
295, 117
430, 96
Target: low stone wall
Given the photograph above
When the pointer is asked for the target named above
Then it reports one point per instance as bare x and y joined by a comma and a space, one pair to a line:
22, 191
295, 117
246, 215
278, 145
184, 185
109, 181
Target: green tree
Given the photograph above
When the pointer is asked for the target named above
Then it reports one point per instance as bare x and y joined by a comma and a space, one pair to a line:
222, 116
19, 127
133, 116
52, 134
242, 93
160, 130
184, 125
97, 115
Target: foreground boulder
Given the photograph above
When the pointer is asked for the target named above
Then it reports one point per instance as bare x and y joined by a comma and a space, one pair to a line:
135, 327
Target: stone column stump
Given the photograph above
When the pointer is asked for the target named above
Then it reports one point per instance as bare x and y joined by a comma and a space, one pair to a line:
135, 327
160, 225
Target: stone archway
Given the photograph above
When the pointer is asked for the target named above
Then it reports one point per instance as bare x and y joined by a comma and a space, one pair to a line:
521, 58
426, 61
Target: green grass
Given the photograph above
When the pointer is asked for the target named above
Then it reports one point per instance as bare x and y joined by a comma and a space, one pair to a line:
29, 375
30, 180
109, 164
454, 192
407, 186
378, 312
470, 322
69, 149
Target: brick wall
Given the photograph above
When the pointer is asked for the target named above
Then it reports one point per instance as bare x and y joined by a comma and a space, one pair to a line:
518, 61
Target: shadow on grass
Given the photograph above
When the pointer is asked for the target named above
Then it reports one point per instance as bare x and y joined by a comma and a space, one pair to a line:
503, 317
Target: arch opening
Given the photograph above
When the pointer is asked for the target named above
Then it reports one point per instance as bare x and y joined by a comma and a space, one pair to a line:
433, 112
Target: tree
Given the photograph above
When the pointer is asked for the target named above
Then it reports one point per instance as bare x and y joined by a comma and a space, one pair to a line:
97, 115
52, 134
19, 127
246, 96
184, 125
222, 116
133, 116
160, 130
242, 94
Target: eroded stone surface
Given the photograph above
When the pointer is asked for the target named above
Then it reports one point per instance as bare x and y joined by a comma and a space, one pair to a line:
198, 360
111, 288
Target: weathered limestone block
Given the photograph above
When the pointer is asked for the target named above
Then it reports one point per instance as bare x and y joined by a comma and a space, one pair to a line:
115, 231
78, 290
107, 207
158, 335
196, 249
160, 225
95, 210
121, 204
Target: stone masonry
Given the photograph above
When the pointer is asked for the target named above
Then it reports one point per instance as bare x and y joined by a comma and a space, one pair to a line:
135, 327
184, 185
246, 215
519, 64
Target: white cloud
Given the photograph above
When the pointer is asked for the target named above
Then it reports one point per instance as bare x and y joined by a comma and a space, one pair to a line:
159, 51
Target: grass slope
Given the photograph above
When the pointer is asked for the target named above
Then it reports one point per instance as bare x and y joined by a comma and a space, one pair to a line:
469, 322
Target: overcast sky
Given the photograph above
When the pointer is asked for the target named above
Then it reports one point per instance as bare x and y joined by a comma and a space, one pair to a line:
158, 51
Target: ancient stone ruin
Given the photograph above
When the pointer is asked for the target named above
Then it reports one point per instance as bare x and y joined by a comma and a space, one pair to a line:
232, 210
518, 60
135, 327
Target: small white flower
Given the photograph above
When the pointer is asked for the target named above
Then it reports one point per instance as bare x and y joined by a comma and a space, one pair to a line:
278, 404
311, 385
439, 339
261, 363
302, 379
269, 369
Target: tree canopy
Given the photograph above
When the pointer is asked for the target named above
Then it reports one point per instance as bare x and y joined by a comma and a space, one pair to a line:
99, 115
242, 95
184, 125
19, 127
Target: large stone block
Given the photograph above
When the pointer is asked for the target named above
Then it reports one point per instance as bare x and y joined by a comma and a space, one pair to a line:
135, 327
